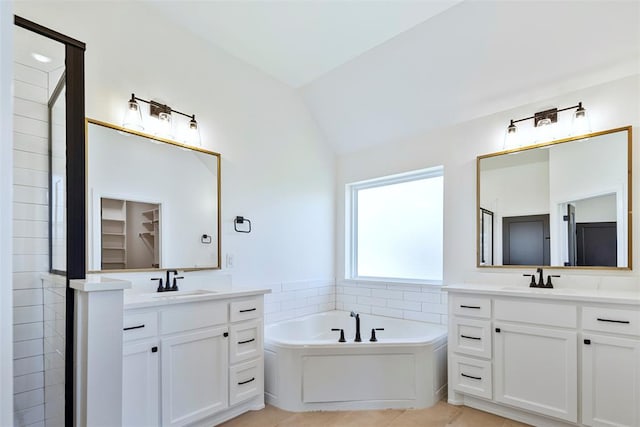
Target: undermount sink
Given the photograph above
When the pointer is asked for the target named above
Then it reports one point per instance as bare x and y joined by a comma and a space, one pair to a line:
182, 294
538, 290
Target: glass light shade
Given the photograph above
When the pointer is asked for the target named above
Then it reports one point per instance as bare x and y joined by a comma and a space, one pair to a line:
133, 116
511, 138
580, 124
165, 127
545, 130
193, 133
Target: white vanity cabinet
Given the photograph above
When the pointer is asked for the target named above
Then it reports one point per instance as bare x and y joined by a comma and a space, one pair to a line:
552, 359
192, 363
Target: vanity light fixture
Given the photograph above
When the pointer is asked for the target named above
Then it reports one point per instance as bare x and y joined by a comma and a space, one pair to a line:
544, 121
162, 112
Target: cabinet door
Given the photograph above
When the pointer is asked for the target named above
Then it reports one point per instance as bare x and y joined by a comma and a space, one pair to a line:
536, 369
140, 393
610, 381
194, 376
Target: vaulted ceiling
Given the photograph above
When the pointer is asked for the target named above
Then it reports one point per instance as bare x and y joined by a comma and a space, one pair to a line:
372, 72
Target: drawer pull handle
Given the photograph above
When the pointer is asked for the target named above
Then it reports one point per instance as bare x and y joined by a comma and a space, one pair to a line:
587, 342
154, 349
246, 341
247, 310
471, 376
475, 307
247, 381
626, 322
470, 338
133, 327
498, 330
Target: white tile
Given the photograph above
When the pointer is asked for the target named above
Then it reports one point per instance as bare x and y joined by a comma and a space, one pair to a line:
388, 312
53, 376
54, 401
29, 92
303, 311
293, 304
325, 290
28, 416
27, 281
444, 319
372, 285
274, 317
321, 299
380, 302
29, 314
28, 331
32, 195
27, 160
346, 299
406, 287
384, 293
434, 308
28, 365
28, 382
30, 178
422, 297
37, 229
34, 110
350, 290
339, 305
279, 297
46, 422
404, 305
28, 399
30, 126
24, 297
53, 296
31, 143
24, 245
294, 286
27, 348
28, 74
422, 316
53, 361
28, 211
24, 263
305, 293
327, 307
271, 307
358, 308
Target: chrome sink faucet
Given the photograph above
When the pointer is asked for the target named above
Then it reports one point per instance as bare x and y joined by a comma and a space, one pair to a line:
357, 316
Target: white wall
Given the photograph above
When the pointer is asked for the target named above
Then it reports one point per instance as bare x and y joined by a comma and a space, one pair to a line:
276, 170
6, 177
610, 105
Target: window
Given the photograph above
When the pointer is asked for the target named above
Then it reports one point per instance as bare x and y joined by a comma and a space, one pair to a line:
395, 226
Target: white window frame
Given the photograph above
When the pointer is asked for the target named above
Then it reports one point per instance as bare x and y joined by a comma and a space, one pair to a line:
351, 215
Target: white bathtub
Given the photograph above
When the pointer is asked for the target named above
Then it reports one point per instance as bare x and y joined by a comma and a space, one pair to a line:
307, 369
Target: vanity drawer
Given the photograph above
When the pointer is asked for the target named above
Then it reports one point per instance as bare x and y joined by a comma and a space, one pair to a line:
472, 337
246, 381
614, 320
184, 317
246, 309
139, 325
471, 376
471, 306
245, 341
539, 313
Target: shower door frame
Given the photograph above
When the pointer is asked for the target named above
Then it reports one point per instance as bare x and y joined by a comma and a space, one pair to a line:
75, 191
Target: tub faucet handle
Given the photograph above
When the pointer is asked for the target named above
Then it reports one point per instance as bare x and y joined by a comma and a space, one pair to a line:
341, 334
373, 334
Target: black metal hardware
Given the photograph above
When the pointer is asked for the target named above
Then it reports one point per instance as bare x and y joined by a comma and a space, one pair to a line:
167, 283
247, 381
155, 108
357, 316
498, 330
246, 341
133, 327
532, 283
373, 334
206, 239
626, 322
175, 282
248, 310
549, 284
475, 307
160, 287
541, 278
471, 376
470, 338
342, 339
226, 334
241, 220
587, 342
154, 349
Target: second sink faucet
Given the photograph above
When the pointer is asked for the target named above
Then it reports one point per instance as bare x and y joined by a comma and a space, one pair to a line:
357, 316
167, 283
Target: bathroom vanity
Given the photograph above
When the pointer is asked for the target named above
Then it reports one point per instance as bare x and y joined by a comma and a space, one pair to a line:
192, 357
546, 356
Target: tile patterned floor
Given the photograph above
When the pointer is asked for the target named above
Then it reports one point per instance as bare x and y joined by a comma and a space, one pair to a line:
440, 415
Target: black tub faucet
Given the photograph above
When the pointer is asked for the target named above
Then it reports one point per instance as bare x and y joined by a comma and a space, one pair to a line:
357, 316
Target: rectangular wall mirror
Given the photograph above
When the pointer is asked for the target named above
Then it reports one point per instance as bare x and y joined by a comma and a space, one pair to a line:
565, 203
152, 203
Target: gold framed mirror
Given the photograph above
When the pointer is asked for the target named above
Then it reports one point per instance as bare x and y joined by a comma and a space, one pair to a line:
561, 204
152, 203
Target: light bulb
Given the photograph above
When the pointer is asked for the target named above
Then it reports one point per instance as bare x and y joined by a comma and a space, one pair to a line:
580, 124
545, 130
133, 117
193, 134
164, 125
511, 137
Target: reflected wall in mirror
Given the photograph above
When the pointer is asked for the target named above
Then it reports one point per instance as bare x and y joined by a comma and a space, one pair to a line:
150, 202
564, 203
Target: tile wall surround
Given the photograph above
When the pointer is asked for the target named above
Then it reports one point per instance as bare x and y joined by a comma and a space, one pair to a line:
289, 300
425, 303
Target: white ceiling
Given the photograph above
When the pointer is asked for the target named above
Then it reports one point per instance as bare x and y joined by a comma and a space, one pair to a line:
298, 41
372, 72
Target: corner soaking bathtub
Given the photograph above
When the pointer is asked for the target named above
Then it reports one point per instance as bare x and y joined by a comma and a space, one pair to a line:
307, 369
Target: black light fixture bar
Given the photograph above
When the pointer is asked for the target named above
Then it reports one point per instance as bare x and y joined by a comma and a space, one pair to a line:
551, 114
155, 108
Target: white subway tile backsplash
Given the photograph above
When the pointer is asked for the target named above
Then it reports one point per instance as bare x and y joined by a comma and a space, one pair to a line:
31, 195
434, 308
380, 302
30, 92
28, 331
25, 73
27, 281
30, 143
30, 178
25, 245
422, 316
25, 263
385, 293
28, 399
422, 297
29, 416
27, 348
388, 312
305, 293
346, 299
29, 314
351, 290
37, 229
28, 365
34, 110
27, 160
404, 305
28, 382
30, 126
28, 211
25, 297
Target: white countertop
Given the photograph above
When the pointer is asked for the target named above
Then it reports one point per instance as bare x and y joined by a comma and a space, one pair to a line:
95, 283
153, 299
567, 294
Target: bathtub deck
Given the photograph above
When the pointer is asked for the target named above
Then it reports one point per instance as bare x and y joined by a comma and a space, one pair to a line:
440, 415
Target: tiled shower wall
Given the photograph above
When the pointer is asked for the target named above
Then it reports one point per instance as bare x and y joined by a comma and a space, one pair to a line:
426, 303
293, 299
30, 241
